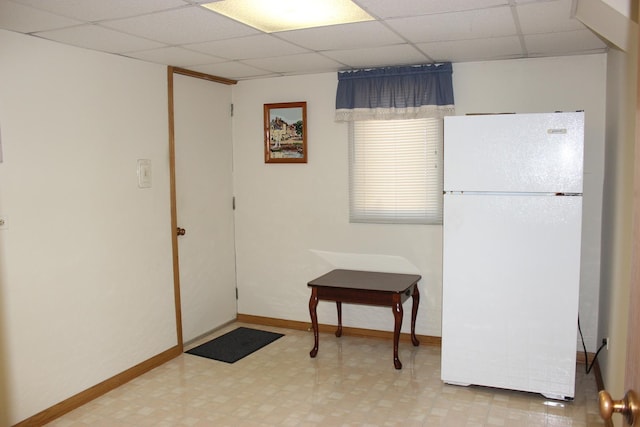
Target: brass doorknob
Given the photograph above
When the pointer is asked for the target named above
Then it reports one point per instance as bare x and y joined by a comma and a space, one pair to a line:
181, 231
629, 406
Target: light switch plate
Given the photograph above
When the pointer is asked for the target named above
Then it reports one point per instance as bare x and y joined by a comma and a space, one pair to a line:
144, 173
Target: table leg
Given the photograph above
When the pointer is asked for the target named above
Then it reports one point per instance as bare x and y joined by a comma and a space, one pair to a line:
313, 304
397, 315
339, 307
414, 313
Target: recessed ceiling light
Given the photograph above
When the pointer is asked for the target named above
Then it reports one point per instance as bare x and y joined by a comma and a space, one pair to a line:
282, 15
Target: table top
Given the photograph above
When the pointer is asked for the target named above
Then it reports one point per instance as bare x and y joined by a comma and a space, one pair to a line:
367, 280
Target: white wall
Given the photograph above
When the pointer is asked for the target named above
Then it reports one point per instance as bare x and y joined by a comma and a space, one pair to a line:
553, 84
288, 212
85, 258
622, 6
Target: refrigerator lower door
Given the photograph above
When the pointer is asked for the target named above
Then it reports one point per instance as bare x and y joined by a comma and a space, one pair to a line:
511, 270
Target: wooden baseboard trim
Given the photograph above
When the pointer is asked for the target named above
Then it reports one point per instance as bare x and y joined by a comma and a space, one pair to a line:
98, 390
598, 374
371, 333
581, 359
354, 332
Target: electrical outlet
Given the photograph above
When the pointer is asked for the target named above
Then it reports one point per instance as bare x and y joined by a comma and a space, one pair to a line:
3, 222
605, 342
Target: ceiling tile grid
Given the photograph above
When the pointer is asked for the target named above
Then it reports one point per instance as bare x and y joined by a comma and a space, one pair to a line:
99, 38
382, 56
24, 19
474, 50
258, 46
386, 9
237, 69
548, 17
345, 36
185, 25
176, 56
295, 64
467, 25
184, 33
101, 10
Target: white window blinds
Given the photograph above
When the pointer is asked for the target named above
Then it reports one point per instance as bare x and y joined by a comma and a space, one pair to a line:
396, 171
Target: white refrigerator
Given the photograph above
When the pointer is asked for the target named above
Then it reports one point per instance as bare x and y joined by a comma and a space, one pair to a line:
511, 251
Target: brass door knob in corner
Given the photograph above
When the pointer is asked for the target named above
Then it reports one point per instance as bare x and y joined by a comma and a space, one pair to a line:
629, 406
181, 231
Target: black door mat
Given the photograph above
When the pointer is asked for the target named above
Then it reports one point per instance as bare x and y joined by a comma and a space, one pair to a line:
235, 345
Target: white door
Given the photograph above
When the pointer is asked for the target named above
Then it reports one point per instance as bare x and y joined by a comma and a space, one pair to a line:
203, 169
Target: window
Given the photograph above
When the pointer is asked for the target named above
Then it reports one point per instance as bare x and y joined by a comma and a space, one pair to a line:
396, 171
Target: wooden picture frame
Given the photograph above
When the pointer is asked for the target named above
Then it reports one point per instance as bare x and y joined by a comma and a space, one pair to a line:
285, 132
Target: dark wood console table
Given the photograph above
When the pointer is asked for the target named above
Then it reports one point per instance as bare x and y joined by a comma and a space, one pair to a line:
366, 287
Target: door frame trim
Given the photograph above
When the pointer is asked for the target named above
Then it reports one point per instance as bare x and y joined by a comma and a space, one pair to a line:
171, 71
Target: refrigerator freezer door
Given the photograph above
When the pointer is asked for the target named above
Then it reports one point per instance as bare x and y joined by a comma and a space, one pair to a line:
511, 270
514, 153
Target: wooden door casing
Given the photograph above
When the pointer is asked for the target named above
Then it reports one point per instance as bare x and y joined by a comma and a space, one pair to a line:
632, 370
173, 74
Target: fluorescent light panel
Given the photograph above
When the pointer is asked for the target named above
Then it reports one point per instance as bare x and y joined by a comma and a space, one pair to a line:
283, 15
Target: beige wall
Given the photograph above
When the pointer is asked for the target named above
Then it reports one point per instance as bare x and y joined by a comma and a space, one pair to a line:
4, 388
553, 84
85, 259
292, 220
617, 214
86, 264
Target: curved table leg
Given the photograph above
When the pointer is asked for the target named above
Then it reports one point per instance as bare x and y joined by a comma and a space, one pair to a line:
414, 313
339, 307
397, 315
313, 304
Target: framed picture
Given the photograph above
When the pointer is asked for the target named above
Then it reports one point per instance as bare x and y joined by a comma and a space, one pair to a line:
285, 132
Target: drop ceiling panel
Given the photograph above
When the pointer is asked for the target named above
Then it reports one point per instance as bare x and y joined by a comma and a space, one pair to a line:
565, 43
483, 23
24, 19
304, 63
347, 36
174, 55
98, 10
379, 56
181, 32
259, 46
545, 17
396, 9
232, 70
473, 50
182, 26
98, 38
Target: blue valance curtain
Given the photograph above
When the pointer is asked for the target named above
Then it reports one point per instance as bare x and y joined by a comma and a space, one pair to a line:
405, 92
